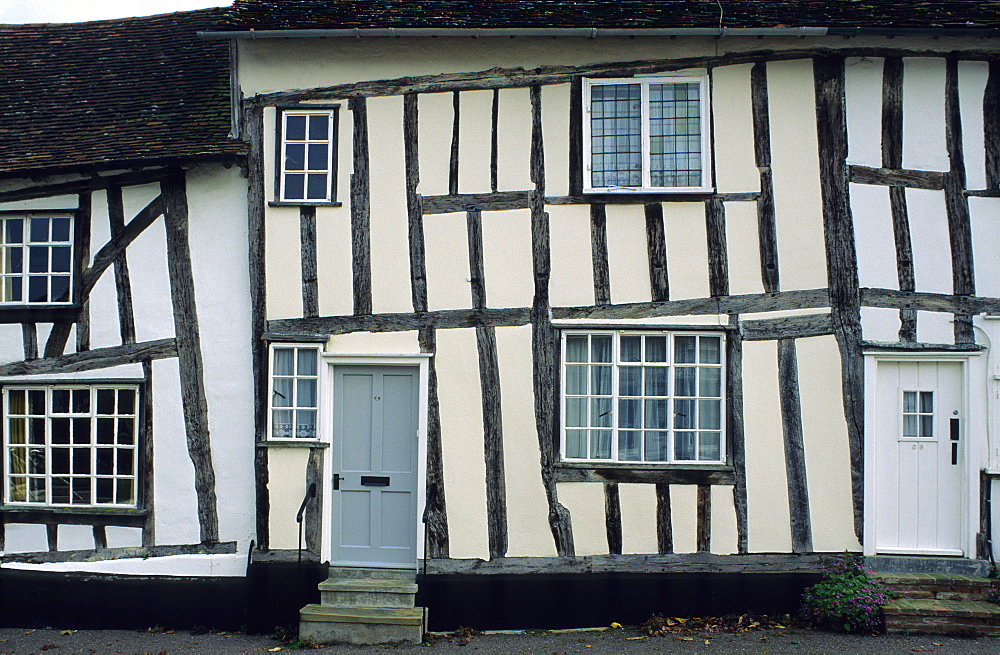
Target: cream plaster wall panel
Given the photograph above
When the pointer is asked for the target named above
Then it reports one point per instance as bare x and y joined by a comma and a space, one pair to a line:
528, 532
923, 114
103, 299
555, 138
638, 503
218, 242
507, 262
124, 538
585, 502
446, 257
12, 343
435, 117
687, 249
269, 146
283, 263
135, 198
684, 517
935, 327
863, 92
767, 485
151, 304
24, 538
286, 470
795, 165
174, 501
743, 248
985, 245
345, 157
880, 324
571, 282
334, 276
390, 251
972, 76
732, 125
402, 343
475, 117
76, 537
824, 433
930, 240
724, 536
874, 240
783, 313
53, 202
628, 261
514, 140
460, 403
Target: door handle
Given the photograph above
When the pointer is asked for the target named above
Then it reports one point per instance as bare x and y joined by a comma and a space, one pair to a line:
954, 426
336, 481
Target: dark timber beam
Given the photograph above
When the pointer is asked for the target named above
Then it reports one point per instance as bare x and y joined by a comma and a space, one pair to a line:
787, 327
929, 302
92, 360
113, 249
991, 125
795, 454
193, 399
87, 185
599, 253
83, 215
314, 515
736, 437
842, 262
456, 126
656, 247
664, 525
718, 252
704, 520
104, 554
613, 517
767, 234
123, 285
146, 485
361, 255
307, 239
957, 205
910, 179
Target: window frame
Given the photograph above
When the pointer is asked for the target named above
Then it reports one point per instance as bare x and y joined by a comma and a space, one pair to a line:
137, 447
333, 114
294, 408
616, 396
699, 77
933, 414
25, 309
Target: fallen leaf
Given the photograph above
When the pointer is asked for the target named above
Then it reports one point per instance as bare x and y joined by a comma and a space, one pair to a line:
67, 632
918, 650
934, 643
273, 650
633, 638
708, 643
616, 624
684, 638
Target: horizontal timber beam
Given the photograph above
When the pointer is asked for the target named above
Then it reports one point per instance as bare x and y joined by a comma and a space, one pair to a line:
506, 200
104, 554
90, 360
787, 327
909, 178
74, 187
929, 302
647, 475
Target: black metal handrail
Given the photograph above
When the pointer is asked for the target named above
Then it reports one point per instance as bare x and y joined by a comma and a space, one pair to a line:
310, 493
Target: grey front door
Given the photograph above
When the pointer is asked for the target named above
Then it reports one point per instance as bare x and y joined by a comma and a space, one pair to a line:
374, 455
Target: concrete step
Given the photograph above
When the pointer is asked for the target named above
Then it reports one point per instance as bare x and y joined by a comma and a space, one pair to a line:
914, 564
367, 592
939, 586
361, 625
372, 573
931, 616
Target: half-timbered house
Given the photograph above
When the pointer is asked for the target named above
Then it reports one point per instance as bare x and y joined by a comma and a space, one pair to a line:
593, 289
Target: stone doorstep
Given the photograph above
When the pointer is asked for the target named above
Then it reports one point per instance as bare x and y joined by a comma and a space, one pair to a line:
932, 579
913, 607
358, 573
369, 585
363, 615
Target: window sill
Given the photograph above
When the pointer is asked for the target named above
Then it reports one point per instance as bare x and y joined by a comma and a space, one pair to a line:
645, 473
123, 517
302, 203
652, 191
38, 313
292, 443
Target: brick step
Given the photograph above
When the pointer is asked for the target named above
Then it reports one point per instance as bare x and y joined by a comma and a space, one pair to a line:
938, 586
367, 592
361, 625
931, 616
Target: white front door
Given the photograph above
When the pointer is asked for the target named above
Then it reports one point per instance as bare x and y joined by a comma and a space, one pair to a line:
374, 462
919, 458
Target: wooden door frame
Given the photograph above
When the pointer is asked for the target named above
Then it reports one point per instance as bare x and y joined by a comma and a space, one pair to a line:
972, 446
419, 361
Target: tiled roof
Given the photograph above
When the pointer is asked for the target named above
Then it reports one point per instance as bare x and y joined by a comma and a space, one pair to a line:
117, 91
347, 14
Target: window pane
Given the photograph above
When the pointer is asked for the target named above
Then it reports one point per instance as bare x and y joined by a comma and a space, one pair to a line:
81, 461
657, 414
319, 127
36, 402
36, 431
60, 229
710, 414
684, 414
81, 401
910, 426
684, 349
576, 412
295, 157
18, 460
600, 380
601, 348
281, 424
283, 361
126, 492
105, 490
282, 396
657, 446
60, 430
576, 348
656, 349
318, 156
615, 135
126, 431
60, 491
38, 289
15, 230
710, 382
105, 401
576, 443
927, 402
630, 413
305, 427
600, 412
105, 430
631, 349
600, 444
684, 381
295, 127
81, 431
15, 401
60, 401
576, 379
126, 401
295, 186
16, 427
60, 259
306, 392
629, 446
318, 187
39, 229
60, 288
709, 446
82, 492
306, 362
710, 350
630, 381
909, 401
656, 380
684, 445
927, 426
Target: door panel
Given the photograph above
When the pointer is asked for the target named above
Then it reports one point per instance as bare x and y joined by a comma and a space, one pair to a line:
374, 458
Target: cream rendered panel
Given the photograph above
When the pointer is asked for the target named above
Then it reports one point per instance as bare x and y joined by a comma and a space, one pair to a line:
684, 517
283, 262
572, 275
514, 140
628, 261
76, 537
724, 536
732, 130
354, 343
930, 240
880, 324
638, 504
923, 114
103, 299
767, 485
528, 532
390, 249
935, 327
687, 249
555, 138
334, 275
585, 502
795, 165
874, 238
12, 342
25, 538
151, 305
986, 245
475, 116
435, 118
446, 260
824, 432
743, 248
863, 93
507, 261
124, 538
286, 470
972, 76
460, 404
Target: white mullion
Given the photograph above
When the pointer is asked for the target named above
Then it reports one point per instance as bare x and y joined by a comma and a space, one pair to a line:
562, 397
615, 361
670, 396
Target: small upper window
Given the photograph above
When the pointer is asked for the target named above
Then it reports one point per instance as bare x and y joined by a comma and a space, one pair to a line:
294, 391
646, 135
308, 160
36, 259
